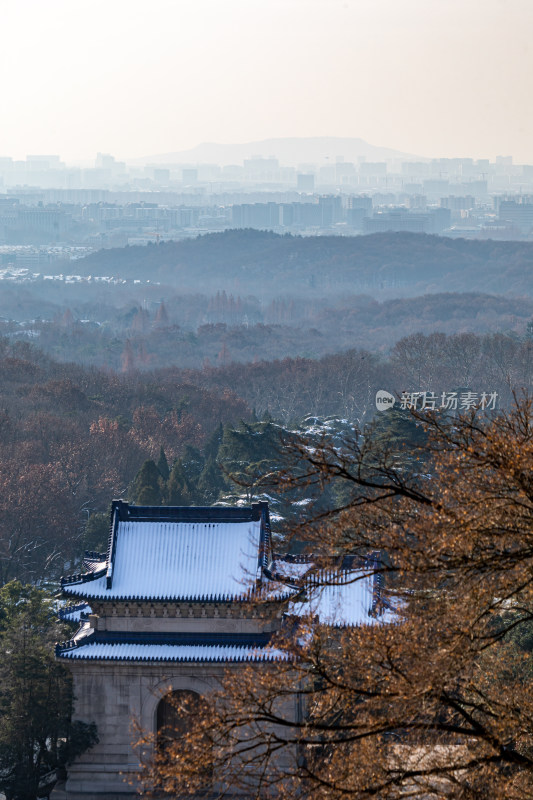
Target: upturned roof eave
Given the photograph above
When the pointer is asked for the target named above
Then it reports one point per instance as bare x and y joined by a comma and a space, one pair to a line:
242, 598
86, 648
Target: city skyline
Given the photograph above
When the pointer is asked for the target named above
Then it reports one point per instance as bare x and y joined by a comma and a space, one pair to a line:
434, 79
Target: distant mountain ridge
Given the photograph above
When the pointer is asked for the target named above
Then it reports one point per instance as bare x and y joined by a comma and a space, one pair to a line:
289, 151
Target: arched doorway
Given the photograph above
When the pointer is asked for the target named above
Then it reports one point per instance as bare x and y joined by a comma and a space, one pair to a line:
175, 716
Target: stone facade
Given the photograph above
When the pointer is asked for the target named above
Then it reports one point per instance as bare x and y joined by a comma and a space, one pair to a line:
129, 652
181, 596
117, 695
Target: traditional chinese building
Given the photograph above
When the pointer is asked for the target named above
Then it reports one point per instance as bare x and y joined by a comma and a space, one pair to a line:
170, 611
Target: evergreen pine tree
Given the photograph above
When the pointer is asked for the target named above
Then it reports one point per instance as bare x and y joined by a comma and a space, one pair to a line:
211, 483
193, 464
178, 490
146, 487
162, 465
36, 731
213, 443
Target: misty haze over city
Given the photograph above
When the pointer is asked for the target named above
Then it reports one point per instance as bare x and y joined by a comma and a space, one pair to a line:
266, 381
197, 185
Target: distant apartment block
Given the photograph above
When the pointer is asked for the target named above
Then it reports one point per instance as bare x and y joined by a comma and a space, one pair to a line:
518, 214
325, 212
434, 221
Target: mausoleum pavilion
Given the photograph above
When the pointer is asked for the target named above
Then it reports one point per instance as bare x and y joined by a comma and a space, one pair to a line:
170, 611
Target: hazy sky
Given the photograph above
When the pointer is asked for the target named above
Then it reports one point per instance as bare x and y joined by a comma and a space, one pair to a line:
137, 78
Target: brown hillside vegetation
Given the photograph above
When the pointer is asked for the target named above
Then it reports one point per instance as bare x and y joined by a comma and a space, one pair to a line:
74, 437
71, 439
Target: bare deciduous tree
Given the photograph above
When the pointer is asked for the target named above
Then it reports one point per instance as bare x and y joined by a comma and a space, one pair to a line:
438, 703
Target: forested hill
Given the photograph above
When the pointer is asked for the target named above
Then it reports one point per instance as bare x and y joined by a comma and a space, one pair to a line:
266, 264
73, 437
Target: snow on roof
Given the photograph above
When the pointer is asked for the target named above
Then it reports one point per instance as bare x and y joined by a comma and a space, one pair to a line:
178, 560
94, 562
340, 599
294, 569
74, 613
170, 652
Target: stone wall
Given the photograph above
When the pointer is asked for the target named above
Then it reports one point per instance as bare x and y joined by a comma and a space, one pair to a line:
113, 695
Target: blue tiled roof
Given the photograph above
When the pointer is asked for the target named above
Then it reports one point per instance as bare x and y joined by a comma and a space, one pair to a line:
174, 553
177, 647
75, 613
171, 653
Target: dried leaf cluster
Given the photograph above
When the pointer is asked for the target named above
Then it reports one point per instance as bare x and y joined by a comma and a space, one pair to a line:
437, 704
